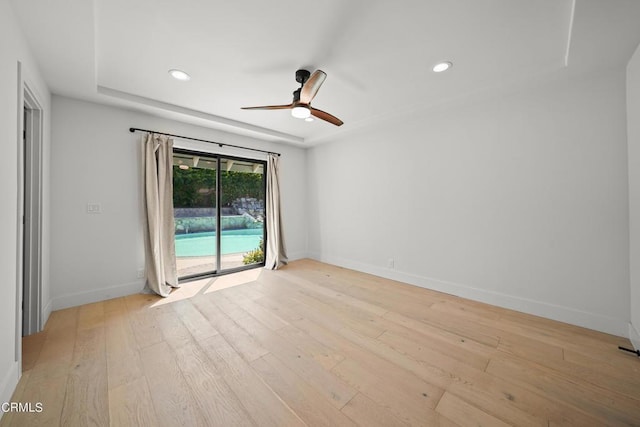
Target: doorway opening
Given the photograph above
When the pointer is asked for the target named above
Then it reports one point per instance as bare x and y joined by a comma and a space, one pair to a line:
30, 214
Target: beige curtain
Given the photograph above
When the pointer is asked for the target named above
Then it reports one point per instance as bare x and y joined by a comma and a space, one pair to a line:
276, 253
160, 251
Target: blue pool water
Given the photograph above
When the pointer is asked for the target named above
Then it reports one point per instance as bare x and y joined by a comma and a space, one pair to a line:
231, 242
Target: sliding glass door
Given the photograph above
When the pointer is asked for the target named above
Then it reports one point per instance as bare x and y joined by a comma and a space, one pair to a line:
211, 190
242, 202
195, 212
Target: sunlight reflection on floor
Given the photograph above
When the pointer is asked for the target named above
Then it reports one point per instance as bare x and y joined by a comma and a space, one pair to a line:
185, 291
208, 285
234, 279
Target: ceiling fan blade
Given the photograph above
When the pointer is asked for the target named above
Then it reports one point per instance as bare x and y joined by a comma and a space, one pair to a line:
312, 85
270, 107
325, 116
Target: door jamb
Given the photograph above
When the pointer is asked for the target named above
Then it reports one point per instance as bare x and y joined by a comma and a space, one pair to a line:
30, 211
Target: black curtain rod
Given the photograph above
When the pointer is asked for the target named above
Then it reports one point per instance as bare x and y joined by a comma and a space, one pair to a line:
221, 144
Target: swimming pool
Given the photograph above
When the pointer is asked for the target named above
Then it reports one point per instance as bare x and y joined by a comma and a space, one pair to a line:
204, 244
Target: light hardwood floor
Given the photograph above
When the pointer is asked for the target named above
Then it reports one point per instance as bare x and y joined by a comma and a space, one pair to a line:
319, 345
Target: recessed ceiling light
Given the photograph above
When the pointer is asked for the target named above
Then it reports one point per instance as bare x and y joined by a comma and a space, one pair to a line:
442, 66
308, 119
179, 75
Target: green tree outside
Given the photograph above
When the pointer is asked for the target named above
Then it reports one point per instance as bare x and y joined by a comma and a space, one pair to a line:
196, 187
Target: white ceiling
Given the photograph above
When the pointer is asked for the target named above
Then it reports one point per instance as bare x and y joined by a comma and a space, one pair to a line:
378, 54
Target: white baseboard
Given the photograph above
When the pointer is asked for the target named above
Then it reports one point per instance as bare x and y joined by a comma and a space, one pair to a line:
634, 336
95, 295
598, 322
9, 383
293, 256
46, 312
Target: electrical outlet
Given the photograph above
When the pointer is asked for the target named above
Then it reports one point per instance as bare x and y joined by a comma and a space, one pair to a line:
141, 273
391, 263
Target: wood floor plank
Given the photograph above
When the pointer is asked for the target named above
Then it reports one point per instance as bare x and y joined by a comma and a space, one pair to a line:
142, 320
365, 412
267, 317
387, 353
325, 293
460, 326
60, 339
130, 405
323, 355
398, 369
63, 319
440, 370
520, 327
315, 344
445, 373
360, 320
617, 362
277, 306
244, 343
263, 405
437, 336
86, 394
438, 348
32, 346
465, 414
217, 402
18, 418
294, 355
314, 309
558, 332
250, 291
194, 321
511, 402
608, 407
48, 390
529, 348
451, 374
599, 375
171, 395
115, 306
612, 374
123, 358
54, 360
343, 276
411, 405
173, 330
304, 400
91, 315
381, 359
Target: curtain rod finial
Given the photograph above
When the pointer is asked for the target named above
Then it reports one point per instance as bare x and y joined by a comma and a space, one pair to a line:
132, 130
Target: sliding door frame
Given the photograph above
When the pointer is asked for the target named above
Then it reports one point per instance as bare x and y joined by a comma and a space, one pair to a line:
218, 158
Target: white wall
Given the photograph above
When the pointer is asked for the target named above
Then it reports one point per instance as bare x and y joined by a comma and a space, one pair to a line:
96, 160
518, 200
13, 49
633, 134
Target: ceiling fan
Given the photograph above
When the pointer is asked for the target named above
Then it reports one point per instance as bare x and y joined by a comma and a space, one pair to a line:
301, 106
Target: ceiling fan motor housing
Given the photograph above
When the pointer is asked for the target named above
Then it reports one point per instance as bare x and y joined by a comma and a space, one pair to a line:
302, 76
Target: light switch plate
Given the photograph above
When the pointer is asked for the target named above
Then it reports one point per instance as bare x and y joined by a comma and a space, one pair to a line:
94, 208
